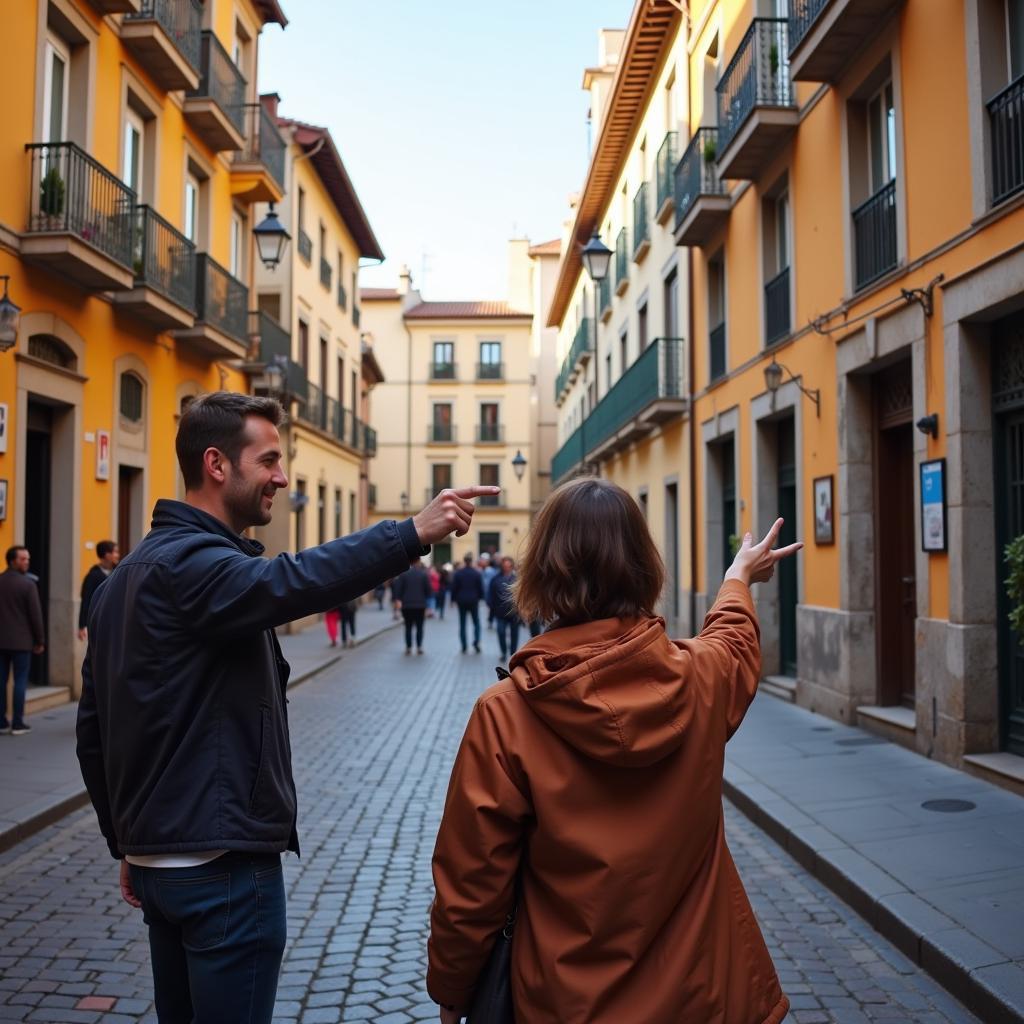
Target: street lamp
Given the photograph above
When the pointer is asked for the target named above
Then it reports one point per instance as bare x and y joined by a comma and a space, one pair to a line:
519, 464
10, 317
773, 379
271, 239
274, 371
596, 257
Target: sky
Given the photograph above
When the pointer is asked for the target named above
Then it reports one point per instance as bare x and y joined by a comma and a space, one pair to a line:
462, 123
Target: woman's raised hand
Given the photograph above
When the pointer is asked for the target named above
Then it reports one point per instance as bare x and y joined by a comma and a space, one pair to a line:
755, 563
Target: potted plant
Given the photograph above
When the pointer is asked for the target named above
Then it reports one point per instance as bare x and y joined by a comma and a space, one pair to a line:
51, 197
1013, 555
710, 150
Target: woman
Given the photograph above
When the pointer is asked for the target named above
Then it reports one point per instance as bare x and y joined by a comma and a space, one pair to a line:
594, 774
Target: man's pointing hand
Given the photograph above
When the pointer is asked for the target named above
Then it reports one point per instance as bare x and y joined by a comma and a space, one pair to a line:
451, 511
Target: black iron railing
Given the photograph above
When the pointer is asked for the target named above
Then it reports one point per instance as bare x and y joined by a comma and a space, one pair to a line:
604, 294
490, 371
490, 433
326, 273
263, 142
221, 300
442, 371
621, 257
1006, 126
370, 446
441, 433
342, 296
221, 81
666, 164
356, 314
315, 408
182, 22
275, 348
71, 192
757, 76
874, 236
717, 351
696, 173
163, 258
776, 307
641, 219
802, 15
305, 245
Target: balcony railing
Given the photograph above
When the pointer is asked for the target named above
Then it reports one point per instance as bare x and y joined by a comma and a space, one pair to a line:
1006, 126
758, 75
641, 222
275, 346
441, 433
442, 371
582, 344
342, 296
490, 433
665, 166
490, 371
221, 300
305, 246
263, 142
314, 410
604, 295
71, 192
356, 314
370, 448
182, 22
696, 174
221, 81
562, 381
717, 351
776, 307
874, 236
621, 260
802, 15
163, 258
570, 455
326, 273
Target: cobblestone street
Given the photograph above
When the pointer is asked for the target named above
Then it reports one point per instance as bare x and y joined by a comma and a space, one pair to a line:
373, 742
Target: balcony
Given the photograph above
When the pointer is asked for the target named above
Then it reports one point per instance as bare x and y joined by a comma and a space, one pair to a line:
756, 107
621, 262
326, 273
716, 352
1006, 128
641, 224
370, 449
165, 36
579, 354
702, 202
257, 170
562, 382
604, 298
874, 236
80, 218
274, 345
216, 109
164, 264
116, 6
824, 35
442, 371
777, 322
305, 247
342, 297
490, 371
490, 433
664, 168
222, 308
650, 393
441, 433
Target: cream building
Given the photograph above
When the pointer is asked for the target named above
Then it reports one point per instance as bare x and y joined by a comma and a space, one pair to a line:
455, 408
308, 327
621, 390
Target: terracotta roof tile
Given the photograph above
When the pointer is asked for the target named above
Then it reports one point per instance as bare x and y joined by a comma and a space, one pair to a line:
552, 248
464, 311
378, 294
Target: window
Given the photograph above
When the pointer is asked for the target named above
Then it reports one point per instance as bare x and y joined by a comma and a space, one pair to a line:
304, 345
443, 367
608, 370
134, 134
716, 316
490, 476
623, 351
337, 512
881, 137
341, 380
131, 397
490, 361
300, 514
782, 232
325, 346
352, 515
440, 477
442, 425
671, 305
490, 542
776, 232
55, 97
641, 327
191, 208
236, 267
641, 500
490, 429
355, 393
321, 513
1015, 38
302, 208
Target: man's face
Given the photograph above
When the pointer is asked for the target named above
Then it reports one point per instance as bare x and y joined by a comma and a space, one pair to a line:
506, 566
111, 558
21, 560
251, 485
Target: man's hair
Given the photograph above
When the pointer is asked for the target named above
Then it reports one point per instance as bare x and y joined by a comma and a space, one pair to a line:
468, 558
589, 555
12, 553
217, 420
105, 547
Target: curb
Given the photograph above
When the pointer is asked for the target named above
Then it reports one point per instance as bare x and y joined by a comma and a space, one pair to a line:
978, 976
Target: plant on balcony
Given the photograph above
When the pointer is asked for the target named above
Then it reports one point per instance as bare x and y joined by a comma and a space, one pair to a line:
1013, 554
710, 151
51, 199
773, 58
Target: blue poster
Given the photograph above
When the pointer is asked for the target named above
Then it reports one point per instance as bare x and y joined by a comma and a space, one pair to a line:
933, 506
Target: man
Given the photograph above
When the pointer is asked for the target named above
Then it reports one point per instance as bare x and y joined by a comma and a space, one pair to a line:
467, 593
109, 554
412, 592
489, 567
21, 634
499, 600
182, 726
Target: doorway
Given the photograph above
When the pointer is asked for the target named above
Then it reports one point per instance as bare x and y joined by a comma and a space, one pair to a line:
786, 498
727, 463
672, 552
38, 515
895, 571
129, 507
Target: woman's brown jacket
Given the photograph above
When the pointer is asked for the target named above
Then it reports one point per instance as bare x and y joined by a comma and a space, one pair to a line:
599, 764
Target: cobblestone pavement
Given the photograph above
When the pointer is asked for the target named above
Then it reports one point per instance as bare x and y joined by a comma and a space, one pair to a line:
374, 738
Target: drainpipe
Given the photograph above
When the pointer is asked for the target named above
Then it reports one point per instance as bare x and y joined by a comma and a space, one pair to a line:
693, 448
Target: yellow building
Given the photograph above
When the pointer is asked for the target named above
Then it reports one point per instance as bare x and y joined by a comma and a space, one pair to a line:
622, 388
309, 319
135, 148
455, 408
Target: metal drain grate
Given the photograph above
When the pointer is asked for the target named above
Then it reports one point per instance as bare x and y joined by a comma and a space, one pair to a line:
949, 806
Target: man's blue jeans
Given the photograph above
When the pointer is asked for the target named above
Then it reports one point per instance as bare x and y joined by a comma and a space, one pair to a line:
507, 644
20, 661
216, 938
473, 611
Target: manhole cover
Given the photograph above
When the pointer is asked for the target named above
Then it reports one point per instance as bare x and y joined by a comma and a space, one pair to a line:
948, 806
861, 741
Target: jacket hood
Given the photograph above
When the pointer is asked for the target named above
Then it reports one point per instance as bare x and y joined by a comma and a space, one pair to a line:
613, 689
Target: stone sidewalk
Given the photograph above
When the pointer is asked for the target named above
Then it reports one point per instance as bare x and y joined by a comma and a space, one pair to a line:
42, 782
930, 856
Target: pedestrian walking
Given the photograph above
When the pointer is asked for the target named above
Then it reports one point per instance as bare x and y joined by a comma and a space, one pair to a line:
331, 619
412, 595
379, 593
194, 791
506, 617
108, 554
443, 586
348, 622
21, 634
435, 586
467, 593
489, 569
586, 797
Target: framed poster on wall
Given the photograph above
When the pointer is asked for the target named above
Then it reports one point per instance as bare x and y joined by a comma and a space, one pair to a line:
824, 532
102, 454
3, 427
3, 500
933, 505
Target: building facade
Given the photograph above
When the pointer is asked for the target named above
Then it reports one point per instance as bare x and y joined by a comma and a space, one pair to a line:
135, 149
455, 408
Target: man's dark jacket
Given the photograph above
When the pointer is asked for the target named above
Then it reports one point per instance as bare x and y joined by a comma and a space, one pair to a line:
93, 578
182, 726
413, 589
499, 597
467, 586
21, 614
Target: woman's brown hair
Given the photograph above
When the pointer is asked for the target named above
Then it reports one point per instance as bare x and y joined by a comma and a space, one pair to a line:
589, 556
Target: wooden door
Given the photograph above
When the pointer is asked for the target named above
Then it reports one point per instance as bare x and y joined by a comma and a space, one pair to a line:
787, 567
